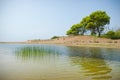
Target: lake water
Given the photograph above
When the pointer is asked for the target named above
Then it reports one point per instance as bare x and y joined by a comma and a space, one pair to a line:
53, 62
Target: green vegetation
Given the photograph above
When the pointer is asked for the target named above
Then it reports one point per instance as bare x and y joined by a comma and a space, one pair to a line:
74, 30
113, 34
94, 23
34, 52
54, 37
110, 34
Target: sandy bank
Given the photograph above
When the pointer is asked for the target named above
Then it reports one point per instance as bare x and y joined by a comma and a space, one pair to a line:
82, 41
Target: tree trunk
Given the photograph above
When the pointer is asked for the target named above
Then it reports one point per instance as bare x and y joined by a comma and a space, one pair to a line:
98, 30
99, 34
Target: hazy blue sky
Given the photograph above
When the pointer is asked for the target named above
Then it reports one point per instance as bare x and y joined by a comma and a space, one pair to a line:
21, 20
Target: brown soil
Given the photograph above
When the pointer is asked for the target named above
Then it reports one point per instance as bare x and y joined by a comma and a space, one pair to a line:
83, 41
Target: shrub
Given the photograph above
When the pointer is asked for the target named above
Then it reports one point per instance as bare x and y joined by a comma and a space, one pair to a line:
113, 35
54, 37
110, 34
117, 34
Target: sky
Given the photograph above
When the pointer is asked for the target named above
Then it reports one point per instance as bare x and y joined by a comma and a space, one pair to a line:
22, 20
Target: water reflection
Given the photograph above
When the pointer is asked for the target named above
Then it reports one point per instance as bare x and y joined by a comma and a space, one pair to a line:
92, 63
95, 68
51, 62
100, 53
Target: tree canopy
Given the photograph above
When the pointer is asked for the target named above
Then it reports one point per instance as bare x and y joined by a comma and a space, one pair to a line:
94, 23
74, 30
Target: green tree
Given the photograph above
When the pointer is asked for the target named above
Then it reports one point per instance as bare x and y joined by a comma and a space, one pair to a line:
89, 25
83, 24
74, 30
97, 21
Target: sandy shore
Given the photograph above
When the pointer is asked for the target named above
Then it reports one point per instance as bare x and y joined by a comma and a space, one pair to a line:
82, 41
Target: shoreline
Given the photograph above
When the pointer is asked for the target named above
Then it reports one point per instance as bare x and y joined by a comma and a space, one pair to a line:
96, 45
76, 41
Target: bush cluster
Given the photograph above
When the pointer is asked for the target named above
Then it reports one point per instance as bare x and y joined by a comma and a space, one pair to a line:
113, 34
54, 37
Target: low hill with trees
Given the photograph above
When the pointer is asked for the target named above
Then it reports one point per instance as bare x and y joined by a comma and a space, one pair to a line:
95, 24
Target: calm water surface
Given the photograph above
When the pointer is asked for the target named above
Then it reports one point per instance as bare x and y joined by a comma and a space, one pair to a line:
52, 62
